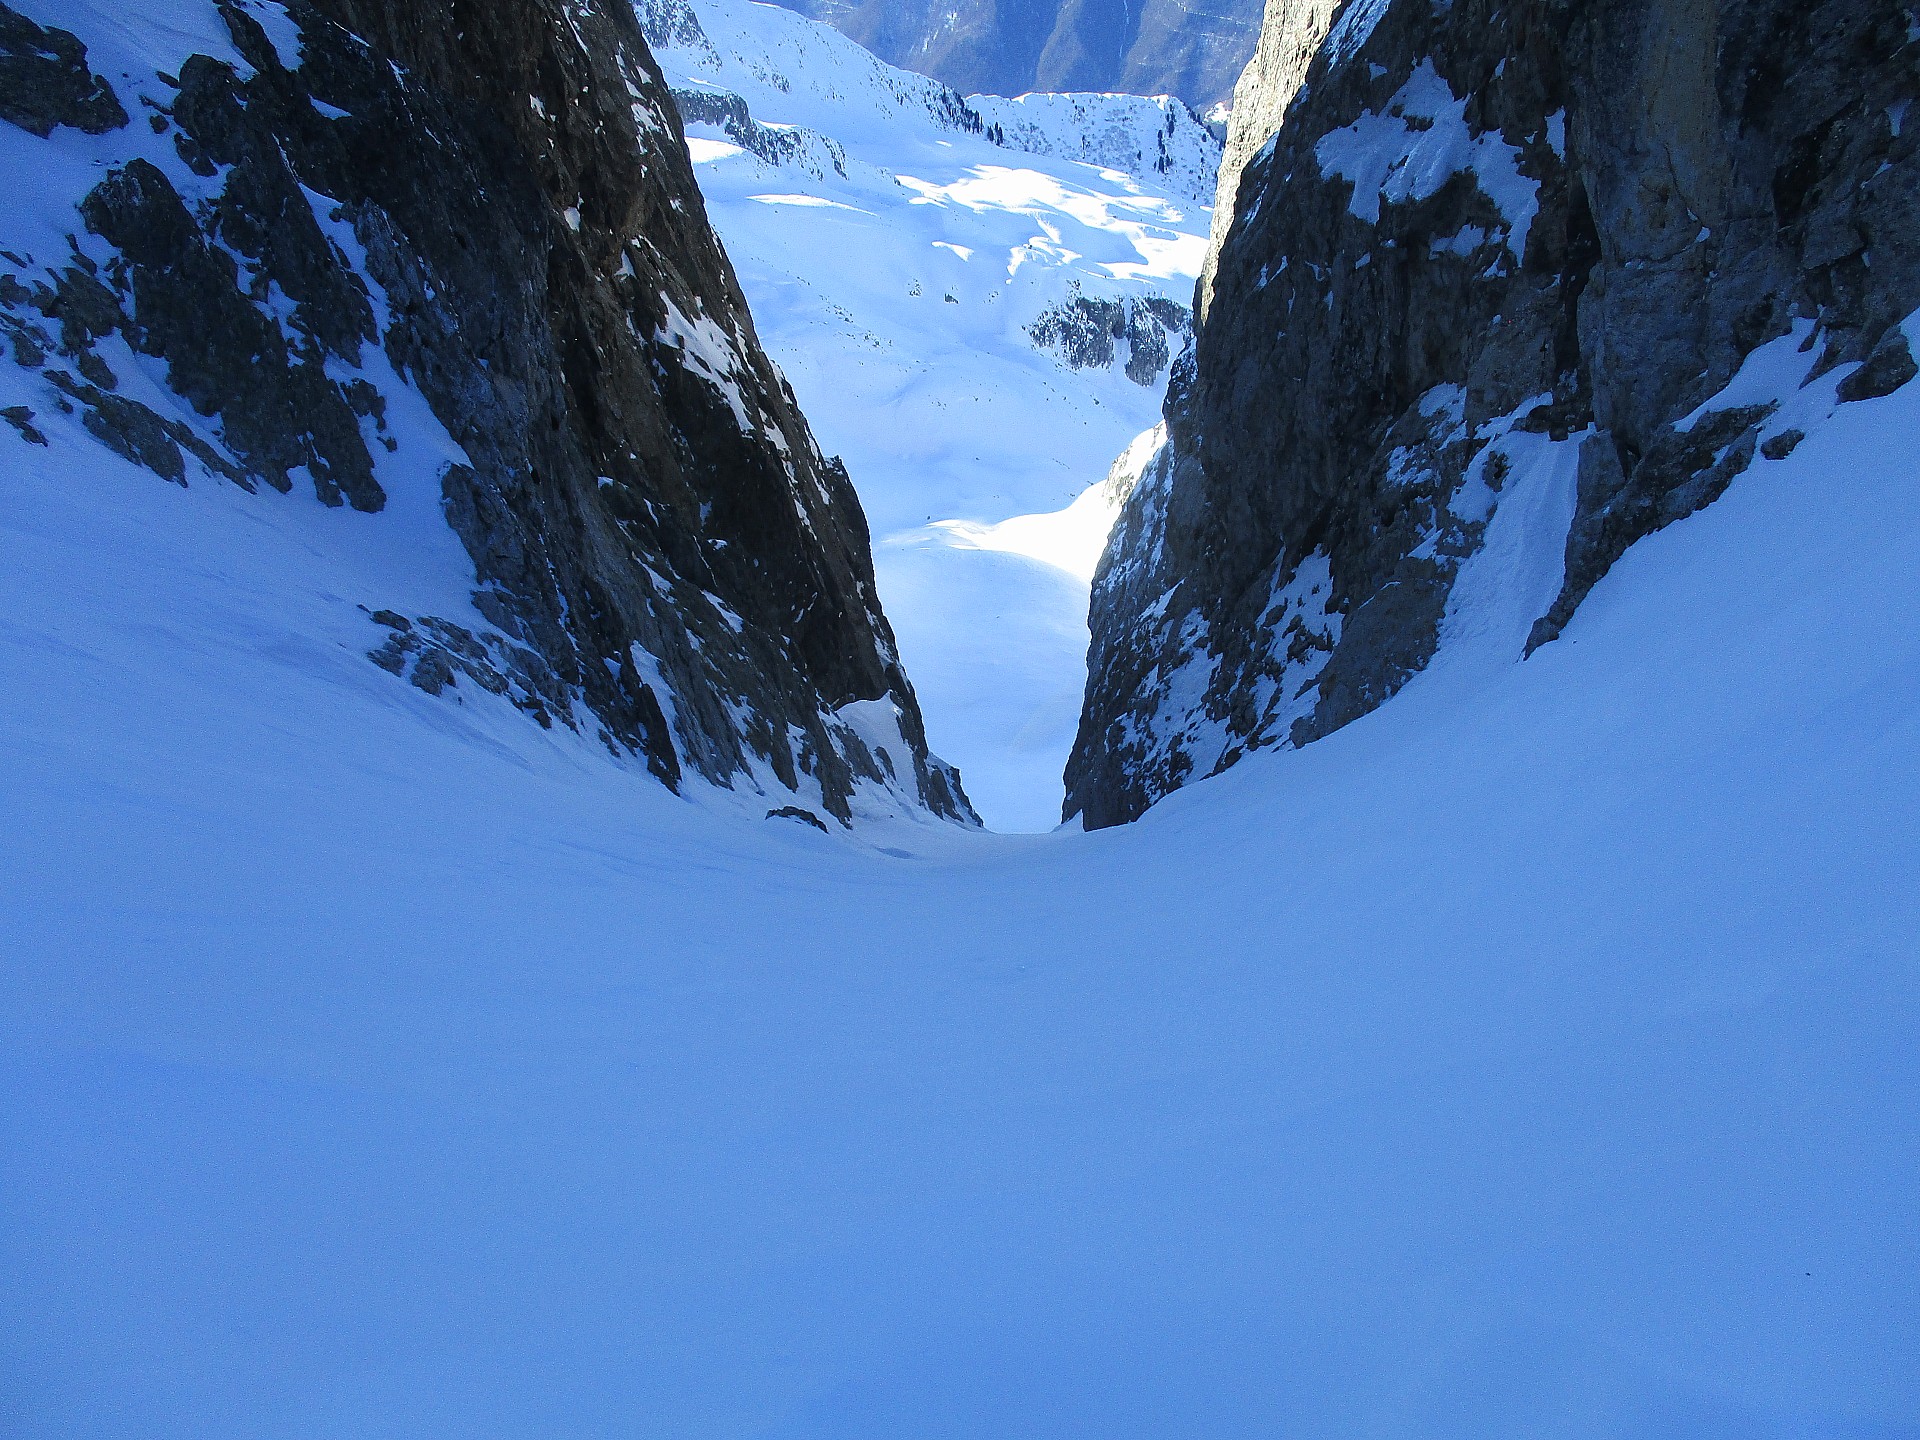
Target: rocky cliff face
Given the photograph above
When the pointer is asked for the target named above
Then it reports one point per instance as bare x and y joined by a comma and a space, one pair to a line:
491, 204
1159, 47
1290, 36
1586, 260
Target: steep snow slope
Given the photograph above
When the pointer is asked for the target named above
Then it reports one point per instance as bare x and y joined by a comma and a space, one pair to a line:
1534, 1056
947, 308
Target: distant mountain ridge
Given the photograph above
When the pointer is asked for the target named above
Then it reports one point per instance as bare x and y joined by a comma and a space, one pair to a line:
1194, 49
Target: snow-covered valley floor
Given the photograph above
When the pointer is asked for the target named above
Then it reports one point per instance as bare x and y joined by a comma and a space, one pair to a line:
896, 264
1536, 1056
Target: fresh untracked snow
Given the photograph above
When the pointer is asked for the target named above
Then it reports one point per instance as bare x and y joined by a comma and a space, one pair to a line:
899, 297
1534, 1056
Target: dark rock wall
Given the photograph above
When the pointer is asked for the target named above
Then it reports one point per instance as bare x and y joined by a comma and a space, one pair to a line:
664, 556
1481, 219
1290, 36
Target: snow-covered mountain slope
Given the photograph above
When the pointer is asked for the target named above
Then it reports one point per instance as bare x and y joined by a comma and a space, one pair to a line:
456, 284
1532, 1057
977, 330
1156, 137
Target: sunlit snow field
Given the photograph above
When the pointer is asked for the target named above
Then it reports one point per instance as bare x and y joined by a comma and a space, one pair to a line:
897, 299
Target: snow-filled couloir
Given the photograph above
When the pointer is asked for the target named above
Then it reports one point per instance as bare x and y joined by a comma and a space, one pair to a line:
978, 303
1532, 1055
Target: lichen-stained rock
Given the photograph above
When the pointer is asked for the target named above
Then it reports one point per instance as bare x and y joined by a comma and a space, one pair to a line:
1475, 230
492, 200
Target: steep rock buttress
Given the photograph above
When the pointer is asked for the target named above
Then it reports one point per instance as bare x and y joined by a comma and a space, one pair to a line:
494, 201
1615, 250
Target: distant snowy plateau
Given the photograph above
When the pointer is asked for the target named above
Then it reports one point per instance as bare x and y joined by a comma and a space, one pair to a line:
978, 303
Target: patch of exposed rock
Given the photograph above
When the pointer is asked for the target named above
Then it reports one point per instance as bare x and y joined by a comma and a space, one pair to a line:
1143, 333
775, 144
45, 81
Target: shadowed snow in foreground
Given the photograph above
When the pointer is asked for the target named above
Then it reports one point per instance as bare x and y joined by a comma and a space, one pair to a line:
1533, 1056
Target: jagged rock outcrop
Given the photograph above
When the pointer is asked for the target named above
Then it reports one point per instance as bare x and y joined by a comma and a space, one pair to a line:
1089, 333
776, 144
45, 82
1491, 242
492, 203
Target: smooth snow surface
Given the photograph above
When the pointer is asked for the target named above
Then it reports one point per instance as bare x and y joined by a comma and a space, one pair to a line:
897, 297
1533, 1057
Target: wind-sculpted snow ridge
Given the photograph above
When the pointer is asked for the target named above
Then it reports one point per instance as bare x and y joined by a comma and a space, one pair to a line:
1581, 264
457, 282
979, 329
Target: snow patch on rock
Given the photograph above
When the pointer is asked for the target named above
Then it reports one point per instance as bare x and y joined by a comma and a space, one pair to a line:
1407, 152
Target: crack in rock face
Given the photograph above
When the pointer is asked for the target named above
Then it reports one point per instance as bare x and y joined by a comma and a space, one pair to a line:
1474, 243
